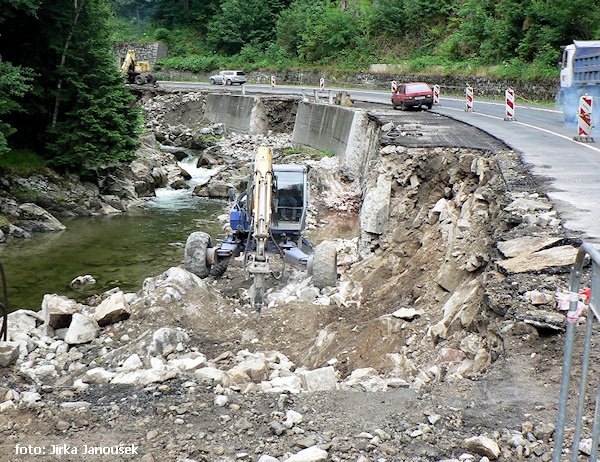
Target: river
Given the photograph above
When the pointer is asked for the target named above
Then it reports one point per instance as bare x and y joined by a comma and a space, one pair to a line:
117, 250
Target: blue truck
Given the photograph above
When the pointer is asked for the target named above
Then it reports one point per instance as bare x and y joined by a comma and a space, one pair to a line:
579, 74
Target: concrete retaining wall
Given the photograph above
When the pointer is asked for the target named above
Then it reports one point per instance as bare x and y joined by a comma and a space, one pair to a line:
348, 133
238, 113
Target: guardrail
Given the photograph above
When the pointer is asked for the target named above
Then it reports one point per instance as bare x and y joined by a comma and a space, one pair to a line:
573, 314
4, 305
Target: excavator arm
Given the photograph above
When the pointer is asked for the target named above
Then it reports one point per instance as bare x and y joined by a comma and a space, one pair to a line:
262, 196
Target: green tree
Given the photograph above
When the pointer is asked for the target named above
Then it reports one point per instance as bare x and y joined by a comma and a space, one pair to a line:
78, 113
14, 84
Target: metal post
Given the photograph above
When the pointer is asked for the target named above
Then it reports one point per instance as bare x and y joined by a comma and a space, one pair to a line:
572, 319
4, 305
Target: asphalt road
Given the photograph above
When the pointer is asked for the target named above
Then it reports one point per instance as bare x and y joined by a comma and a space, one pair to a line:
571, 168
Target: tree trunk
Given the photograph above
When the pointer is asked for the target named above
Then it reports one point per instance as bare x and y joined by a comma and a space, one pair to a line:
63, 59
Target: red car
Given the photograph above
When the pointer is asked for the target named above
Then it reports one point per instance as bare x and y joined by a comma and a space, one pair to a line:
414, 94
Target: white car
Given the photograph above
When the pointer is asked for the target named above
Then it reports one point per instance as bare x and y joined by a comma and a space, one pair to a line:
228, 78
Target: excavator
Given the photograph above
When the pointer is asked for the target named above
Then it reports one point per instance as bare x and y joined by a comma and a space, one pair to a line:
266, 220
138, 72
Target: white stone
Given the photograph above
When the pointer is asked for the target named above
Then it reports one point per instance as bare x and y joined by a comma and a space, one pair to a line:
291, 384
210, 374
132, 363
98, 375
9, 353
113, 309
311, 454
30, 397
189, 364
322, 379
58, 310
165, 340
82, 329
406, 313
265, 458
292, 418
145, 377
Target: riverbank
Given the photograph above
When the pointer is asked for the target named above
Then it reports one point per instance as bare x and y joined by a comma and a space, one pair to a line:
444, 307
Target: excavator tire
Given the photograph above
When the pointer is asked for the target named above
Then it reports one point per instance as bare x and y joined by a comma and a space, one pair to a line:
218, 269
151, 78
139, 79
194, 258
325, 265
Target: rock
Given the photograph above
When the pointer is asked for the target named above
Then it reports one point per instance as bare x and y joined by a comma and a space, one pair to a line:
265, 458
543, 319
561, 257
374, 214
9, 353
323, 379
585, 446
98, 375
30, 397
544, 431
292, 418
406, 313
34, 218
165, 340
209, 374
527, 244
145, 377
292, 384
255, 367
483, 446
82, 329
312, 454
113, 309
80, 281
527, 205
58, 310
188, 364
132, 363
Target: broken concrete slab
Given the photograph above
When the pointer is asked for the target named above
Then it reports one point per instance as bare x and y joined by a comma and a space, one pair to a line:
543, 319
527, 244
556, 257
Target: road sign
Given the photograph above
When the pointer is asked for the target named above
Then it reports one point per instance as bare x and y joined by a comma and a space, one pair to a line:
273, 82
469, 93
584, 119
509, 95
322, 84
436, 95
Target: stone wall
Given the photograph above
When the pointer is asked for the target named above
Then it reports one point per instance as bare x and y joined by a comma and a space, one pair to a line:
540, 90
151, 52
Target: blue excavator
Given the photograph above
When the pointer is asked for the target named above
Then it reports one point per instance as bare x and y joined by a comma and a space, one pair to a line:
267, 221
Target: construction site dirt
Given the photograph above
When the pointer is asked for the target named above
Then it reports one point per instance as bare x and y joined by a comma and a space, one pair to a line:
441, 341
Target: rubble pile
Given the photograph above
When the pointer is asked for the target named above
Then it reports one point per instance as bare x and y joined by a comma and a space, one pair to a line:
434, 344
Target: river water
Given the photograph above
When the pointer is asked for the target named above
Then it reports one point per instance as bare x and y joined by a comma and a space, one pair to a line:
118, 250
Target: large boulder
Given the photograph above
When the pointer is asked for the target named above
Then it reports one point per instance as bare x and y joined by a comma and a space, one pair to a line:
34, 218
83, 329
58, 310
113, 309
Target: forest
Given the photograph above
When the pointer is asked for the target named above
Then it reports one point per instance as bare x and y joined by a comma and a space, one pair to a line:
62, 98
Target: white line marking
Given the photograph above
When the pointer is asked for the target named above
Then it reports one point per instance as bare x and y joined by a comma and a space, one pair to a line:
583, 145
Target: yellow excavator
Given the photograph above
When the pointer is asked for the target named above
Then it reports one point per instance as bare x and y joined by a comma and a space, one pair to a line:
266, 219
138, 72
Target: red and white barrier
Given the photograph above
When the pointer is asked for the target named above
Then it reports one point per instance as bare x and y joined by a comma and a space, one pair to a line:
322, 83
509, 95
584, 119
394, 86
469, 93
436, 95
273, 82
224, 80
